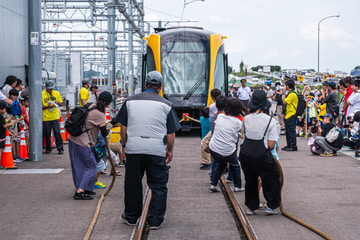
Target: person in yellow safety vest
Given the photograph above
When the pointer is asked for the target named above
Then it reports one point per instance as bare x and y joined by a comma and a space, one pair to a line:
84, 94
51, 100
291, 101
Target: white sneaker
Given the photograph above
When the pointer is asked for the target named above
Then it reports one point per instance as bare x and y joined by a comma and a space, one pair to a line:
236, 189
213, 188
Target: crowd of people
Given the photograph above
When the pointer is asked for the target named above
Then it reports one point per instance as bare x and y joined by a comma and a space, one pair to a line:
239, 133
328, 114
14, 115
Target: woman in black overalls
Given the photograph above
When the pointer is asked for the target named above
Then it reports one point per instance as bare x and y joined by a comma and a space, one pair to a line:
261, 132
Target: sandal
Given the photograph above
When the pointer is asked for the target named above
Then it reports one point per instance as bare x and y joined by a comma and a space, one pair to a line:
117, 174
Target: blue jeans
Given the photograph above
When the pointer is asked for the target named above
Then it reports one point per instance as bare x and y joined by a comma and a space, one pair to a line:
221, 165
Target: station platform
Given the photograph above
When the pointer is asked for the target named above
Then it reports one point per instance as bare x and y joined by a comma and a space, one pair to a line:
36, 200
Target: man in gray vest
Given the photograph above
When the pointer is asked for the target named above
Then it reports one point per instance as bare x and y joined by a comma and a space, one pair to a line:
148, 126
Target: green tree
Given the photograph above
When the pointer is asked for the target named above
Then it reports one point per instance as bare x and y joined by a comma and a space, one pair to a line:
241, 66
230, 69
357, 67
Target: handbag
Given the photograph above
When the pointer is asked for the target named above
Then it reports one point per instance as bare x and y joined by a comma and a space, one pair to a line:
97, 151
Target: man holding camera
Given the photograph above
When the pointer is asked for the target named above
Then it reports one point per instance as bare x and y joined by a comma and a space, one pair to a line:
291, 101
329, 146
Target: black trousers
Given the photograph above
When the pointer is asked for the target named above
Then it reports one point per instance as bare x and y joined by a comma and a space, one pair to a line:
245, 102
270, 177
290, 131
55, 126
157, 174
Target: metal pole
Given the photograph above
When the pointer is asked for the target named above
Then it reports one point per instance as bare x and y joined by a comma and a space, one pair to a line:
111, 46
130, 64
35, 82
318, 62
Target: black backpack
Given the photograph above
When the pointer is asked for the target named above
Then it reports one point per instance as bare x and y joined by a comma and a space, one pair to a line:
301, 105
75, 125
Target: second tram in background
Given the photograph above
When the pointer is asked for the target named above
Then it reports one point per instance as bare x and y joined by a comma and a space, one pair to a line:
192, 62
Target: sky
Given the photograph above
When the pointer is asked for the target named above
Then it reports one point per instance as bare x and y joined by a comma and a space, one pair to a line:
276, 32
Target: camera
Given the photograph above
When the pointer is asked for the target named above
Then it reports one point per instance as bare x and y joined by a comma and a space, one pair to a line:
314, 129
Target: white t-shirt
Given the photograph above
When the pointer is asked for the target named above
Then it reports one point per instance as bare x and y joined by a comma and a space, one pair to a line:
255, 125
354, 101
92, 98
225, 136
2, 96
6, 90
244, 93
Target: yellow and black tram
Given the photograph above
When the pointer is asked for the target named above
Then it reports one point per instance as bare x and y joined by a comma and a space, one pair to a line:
192, 62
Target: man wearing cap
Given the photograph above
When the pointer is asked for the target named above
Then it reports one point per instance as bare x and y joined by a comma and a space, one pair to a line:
291, 101
84, 94
244, 93
148, 129
331, 100
279, 105
329, 148
51, 100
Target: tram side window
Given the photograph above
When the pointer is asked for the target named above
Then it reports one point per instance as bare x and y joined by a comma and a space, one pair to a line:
219, 75
150, 60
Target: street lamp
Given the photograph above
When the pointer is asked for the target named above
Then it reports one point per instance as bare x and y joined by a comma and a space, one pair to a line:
186, 3
318, 63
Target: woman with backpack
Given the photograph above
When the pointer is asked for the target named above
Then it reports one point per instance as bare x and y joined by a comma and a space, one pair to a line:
83, 161
260, 132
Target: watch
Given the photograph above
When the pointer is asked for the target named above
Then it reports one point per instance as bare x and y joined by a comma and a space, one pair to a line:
123, 145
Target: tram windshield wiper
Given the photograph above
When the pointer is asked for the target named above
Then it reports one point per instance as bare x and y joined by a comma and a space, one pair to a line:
195, 87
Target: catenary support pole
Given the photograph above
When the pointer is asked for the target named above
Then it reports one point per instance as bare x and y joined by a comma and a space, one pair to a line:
130, 63
35, 96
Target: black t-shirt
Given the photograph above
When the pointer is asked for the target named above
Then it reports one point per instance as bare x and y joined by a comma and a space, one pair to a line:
331, 103
2, 129
338, 143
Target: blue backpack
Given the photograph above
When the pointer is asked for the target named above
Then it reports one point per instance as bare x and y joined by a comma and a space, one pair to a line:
16, 109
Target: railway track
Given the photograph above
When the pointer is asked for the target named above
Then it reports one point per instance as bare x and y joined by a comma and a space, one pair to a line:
141, 230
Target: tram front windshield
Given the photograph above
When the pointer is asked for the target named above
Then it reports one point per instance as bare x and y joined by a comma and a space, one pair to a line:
183, 67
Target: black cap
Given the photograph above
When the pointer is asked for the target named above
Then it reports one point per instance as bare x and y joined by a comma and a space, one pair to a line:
49, 84
93, 86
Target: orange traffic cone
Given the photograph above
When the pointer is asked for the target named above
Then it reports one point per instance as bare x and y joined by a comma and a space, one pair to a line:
107, 115
23, 151
52, 142
7, 160
62, 130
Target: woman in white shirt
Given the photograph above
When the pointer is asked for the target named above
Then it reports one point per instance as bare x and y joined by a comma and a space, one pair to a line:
223, 143
261, 132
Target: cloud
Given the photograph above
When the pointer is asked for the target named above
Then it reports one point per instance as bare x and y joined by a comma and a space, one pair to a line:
271, 56
216, 18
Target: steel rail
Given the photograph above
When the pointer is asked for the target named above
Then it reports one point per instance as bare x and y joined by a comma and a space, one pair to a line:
140, 226
238, 210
